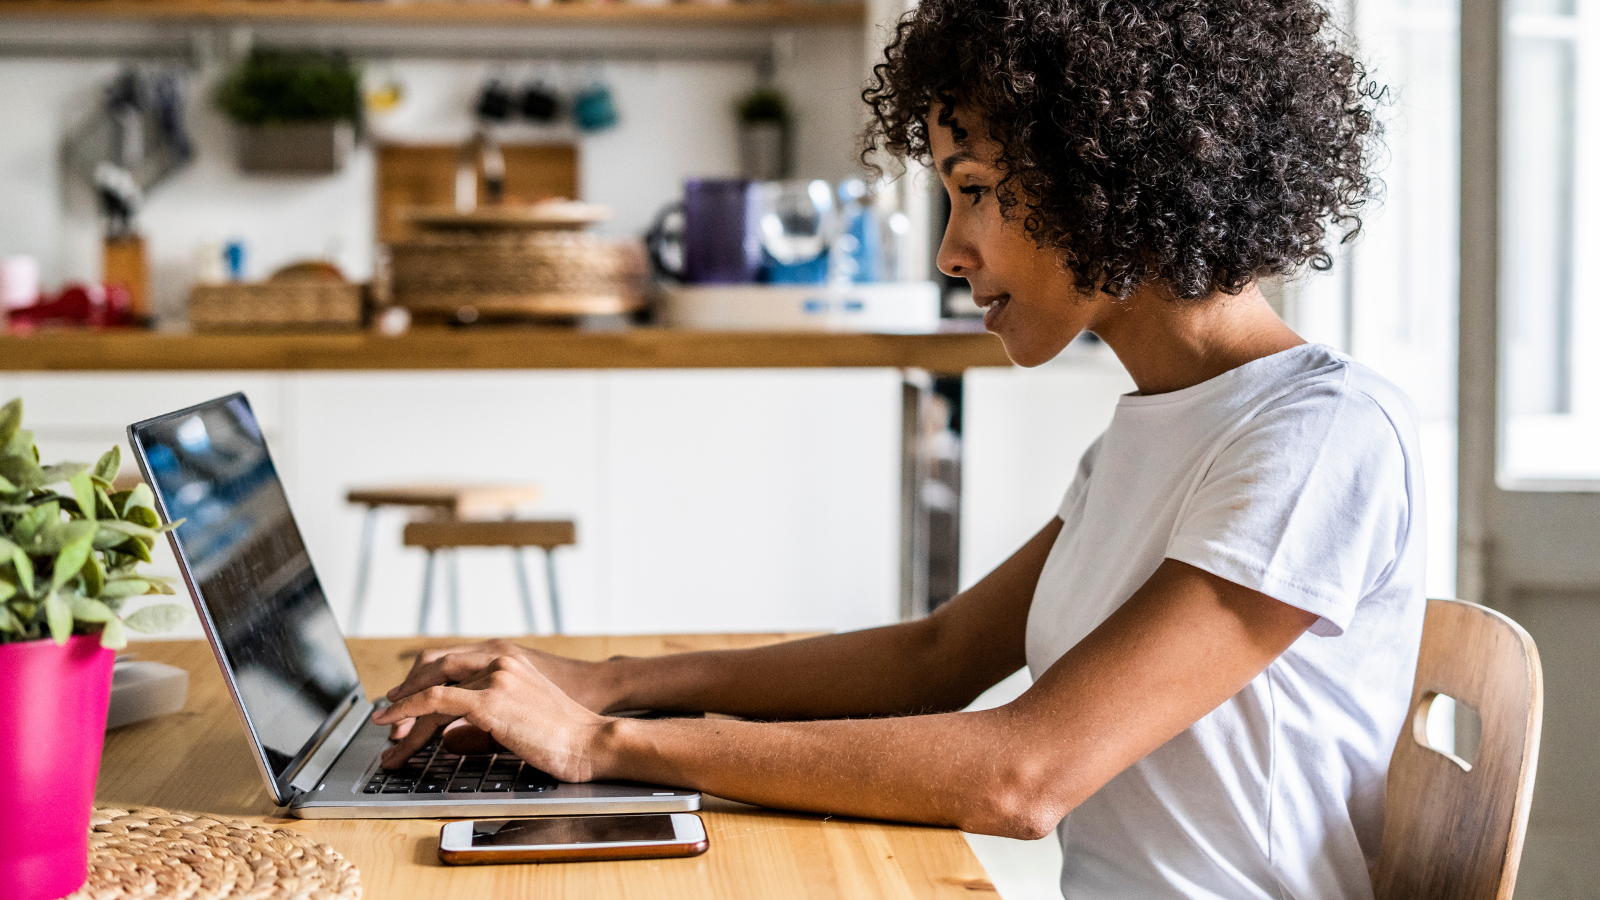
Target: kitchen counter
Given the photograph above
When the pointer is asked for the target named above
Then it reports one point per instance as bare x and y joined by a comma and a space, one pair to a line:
493, 348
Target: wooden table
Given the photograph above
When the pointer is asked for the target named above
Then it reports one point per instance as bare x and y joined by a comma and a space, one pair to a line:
199, 760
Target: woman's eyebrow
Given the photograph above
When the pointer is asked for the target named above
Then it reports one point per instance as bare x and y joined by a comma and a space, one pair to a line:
950, 162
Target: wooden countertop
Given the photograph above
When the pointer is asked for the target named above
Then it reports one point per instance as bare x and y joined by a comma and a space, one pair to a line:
493, 348
198, 760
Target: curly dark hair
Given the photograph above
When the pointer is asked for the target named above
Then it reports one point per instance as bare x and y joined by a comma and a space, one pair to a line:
1199, 143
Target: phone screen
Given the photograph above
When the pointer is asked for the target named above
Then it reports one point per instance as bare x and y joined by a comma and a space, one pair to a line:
572, 830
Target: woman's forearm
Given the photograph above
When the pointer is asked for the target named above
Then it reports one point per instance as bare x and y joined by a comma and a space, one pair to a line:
936, 770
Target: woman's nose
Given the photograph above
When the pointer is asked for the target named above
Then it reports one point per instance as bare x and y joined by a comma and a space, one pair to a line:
956, 257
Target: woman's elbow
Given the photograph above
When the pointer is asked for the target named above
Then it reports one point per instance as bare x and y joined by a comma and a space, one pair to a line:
1016, 805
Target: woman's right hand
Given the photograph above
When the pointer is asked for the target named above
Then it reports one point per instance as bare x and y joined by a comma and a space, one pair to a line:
583, 681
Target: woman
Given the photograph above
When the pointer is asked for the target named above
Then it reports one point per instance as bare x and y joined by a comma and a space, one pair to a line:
1222, 622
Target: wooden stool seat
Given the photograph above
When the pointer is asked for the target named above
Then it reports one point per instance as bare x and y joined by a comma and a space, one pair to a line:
449, 535
461, 501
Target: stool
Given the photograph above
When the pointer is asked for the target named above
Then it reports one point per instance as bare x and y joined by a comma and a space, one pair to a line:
446, 501
452, 534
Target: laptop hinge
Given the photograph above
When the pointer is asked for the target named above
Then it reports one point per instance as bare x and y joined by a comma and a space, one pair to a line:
327, 753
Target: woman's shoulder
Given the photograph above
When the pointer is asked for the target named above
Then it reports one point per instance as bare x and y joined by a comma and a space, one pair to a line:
1349, 399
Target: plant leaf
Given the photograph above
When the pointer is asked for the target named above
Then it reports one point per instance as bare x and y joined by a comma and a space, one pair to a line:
114, 636
20, 469
156, 618
7, 591
86, 610
83, 488
62, 472
94, 577
103, 507
143, 515
21, 444
20, 562
140, 497
109, 465
6, 487
59, 615
10, 622
10, 421
76, 545
118, 588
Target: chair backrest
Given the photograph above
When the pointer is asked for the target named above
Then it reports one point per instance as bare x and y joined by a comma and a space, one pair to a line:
1453, 830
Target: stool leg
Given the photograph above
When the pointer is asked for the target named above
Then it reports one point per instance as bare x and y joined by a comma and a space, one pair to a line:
427, 594
455, 594
525, 589
363, 568
555, 597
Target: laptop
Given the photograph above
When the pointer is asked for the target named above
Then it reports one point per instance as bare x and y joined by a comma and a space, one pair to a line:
285, 660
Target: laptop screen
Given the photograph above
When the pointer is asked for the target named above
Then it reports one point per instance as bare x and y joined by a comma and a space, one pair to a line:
249, 568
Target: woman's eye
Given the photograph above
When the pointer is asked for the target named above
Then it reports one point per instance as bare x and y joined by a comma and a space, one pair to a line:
975, 191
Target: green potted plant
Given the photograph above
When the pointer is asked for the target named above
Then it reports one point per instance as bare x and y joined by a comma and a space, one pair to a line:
763, 116
296, 111
69, 560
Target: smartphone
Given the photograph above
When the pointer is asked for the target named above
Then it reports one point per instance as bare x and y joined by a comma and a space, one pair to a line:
572, 838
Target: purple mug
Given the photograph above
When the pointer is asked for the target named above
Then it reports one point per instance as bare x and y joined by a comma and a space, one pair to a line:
710, 237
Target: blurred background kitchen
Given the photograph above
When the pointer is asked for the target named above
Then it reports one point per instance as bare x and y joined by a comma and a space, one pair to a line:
278, 167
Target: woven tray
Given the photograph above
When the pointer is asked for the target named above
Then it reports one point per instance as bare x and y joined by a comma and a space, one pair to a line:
160, 855
506, 275
290, 304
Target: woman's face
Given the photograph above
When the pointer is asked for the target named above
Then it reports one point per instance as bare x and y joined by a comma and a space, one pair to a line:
1028, 299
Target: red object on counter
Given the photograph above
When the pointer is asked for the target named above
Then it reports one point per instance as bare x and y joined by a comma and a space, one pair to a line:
78, 305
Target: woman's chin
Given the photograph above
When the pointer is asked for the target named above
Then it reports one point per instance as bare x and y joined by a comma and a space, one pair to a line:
1028, 352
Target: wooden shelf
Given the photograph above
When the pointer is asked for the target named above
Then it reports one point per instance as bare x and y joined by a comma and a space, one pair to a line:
444, 12
496, 348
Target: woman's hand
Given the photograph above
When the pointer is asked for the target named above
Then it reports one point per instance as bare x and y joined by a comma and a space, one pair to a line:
513, 702
584, 682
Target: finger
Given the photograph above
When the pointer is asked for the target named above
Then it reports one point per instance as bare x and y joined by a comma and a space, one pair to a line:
445, 669
420, 734
400, 729
454, 702
462, 736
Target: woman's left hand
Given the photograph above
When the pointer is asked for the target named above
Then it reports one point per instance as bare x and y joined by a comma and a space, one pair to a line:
513, 703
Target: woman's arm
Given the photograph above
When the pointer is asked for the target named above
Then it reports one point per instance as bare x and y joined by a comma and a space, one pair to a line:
934, 664
1184, 643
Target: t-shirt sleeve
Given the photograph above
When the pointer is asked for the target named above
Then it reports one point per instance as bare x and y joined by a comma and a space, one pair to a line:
1307, 503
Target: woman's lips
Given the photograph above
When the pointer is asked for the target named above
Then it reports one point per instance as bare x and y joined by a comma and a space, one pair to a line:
992, 305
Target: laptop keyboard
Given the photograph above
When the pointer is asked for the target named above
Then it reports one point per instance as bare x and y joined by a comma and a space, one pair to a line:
435, 770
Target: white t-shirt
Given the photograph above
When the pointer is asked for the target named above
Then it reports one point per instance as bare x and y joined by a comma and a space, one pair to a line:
1296, 475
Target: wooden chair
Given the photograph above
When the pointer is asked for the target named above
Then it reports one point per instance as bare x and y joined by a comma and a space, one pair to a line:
449, 535
1453, 830
446, 501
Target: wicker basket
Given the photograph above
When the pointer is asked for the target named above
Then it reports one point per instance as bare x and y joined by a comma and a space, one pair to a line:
289, 304
467, 274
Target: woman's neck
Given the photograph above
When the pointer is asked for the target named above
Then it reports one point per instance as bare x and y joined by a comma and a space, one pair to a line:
1167, 345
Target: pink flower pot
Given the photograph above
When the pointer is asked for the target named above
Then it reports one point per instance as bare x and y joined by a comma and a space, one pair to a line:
52, 726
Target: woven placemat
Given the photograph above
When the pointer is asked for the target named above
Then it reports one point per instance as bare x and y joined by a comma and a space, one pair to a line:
153, 853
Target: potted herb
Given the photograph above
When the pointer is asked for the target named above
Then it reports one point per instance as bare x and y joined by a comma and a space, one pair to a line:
69, 560
763, 116
296, 111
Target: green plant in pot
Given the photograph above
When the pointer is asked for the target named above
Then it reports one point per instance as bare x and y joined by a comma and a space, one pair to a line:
296, 111
764, 120
70, 550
